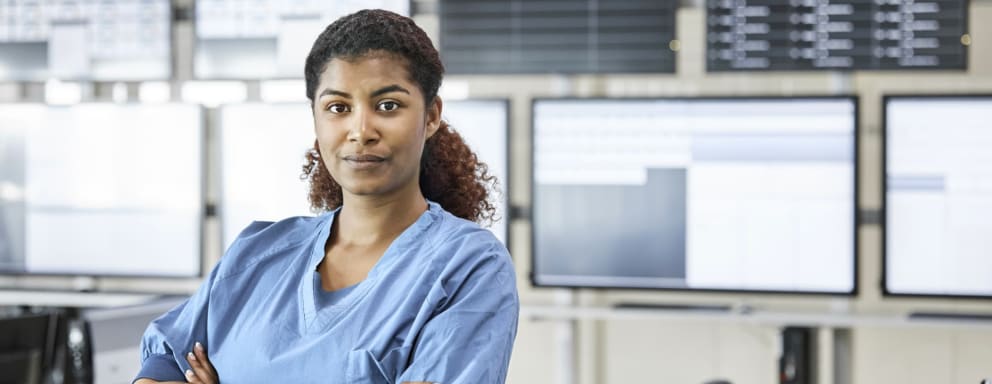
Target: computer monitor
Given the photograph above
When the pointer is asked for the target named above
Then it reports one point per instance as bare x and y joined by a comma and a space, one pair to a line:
262, 148
108, 189
266, 39
12, 189
262, 152
938, 195
107, 40
484, 124
729, 194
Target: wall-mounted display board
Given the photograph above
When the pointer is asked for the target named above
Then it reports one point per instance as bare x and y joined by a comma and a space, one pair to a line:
557, 36
748, 35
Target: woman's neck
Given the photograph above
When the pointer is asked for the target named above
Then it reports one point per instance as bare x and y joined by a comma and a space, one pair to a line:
371, 220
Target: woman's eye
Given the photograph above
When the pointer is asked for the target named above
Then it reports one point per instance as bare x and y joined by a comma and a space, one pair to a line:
388, 106
337, 108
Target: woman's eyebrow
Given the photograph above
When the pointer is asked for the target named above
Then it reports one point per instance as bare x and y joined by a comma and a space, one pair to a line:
328, 91
378, 92
388, 89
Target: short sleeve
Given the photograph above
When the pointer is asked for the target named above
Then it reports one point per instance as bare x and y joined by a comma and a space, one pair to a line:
169, 337
470, 339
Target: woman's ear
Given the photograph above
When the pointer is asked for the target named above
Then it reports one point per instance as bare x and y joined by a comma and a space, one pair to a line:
434, 116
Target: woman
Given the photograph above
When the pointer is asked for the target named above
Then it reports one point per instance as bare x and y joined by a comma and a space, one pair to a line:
395, 284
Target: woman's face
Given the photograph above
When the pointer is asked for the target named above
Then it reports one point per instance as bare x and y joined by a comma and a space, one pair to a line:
371, 125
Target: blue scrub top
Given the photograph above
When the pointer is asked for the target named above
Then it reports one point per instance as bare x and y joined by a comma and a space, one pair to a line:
440, 306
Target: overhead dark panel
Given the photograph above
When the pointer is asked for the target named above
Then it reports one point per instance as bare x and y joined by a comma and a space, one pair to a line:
747, 35
557, 36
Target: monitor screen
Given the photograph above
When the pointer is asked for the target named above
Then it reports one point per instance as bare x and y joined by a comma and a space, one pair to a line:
262, 150
104, 189
266, 39
12, 179
938, 195
745, 194
118, 40
484, 126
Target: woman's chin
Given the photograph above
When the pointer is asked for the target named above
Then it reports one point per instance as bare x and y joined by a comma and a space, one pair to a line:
364, 191
365, 188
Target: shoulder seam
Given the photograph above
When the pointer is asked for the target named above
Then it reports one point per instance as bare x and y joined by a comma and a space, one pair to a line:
255, 259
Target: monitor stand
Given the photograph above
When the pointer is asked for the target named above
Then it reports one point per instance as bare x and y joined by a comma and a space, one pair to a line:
926, 315
675, 307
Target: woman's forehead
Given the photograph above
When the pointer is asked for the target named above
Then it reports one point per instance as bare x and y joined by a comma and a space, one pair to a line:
367, 71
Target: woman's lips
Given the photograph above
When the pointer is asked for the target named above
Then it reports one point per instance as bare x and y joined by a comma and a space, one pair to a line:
363, 161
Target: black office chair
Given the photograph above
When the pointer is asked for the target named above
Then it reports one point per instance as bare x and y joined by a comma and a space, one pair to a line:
718, 381
27, 347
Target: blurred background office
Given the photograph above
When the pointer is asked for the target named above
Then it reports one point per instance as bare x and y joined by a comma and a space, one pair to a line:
755, 191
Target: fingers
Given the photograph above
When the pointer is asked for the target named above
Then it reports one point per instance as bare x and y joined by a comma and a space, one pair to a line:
191, 377
197, 373
201, 356
201, 371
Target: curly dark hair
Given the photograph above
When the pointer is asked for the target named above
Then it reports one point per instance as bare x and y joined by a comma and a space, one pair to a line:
450, 173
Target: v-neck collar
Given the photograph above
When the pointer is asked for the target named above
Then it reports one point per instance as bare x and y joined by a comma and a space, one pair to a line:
316, 319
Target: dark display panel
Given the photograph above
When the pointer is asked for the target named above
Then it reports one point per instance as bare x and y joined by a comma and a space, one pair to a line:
745, 35
557, 36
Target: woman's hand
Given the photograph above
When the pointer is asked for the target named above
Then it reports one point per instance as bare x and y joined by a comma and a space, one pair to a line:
202, 371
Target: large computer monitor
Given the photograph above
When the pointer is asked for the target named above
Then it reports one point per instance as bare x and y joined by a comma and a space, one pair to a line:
484, 124
266, 39
262, 152
106, 40
262, 149
731, 194
938, 196
12, 181
105, 189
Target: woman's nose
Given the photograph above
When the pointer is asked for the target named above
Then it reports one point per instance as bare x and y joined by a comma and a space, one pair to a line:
363, 129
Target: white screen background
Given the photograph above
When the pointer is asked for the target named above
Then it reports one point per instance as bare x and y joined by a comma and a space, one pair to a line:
483, 125
112, 189
939, 196
769, 185
267, 38
263, 147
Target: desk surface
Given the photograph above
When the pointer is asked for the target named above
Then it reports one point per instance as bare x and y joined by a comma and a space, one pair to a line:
545, 312
747, 316
74, 299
